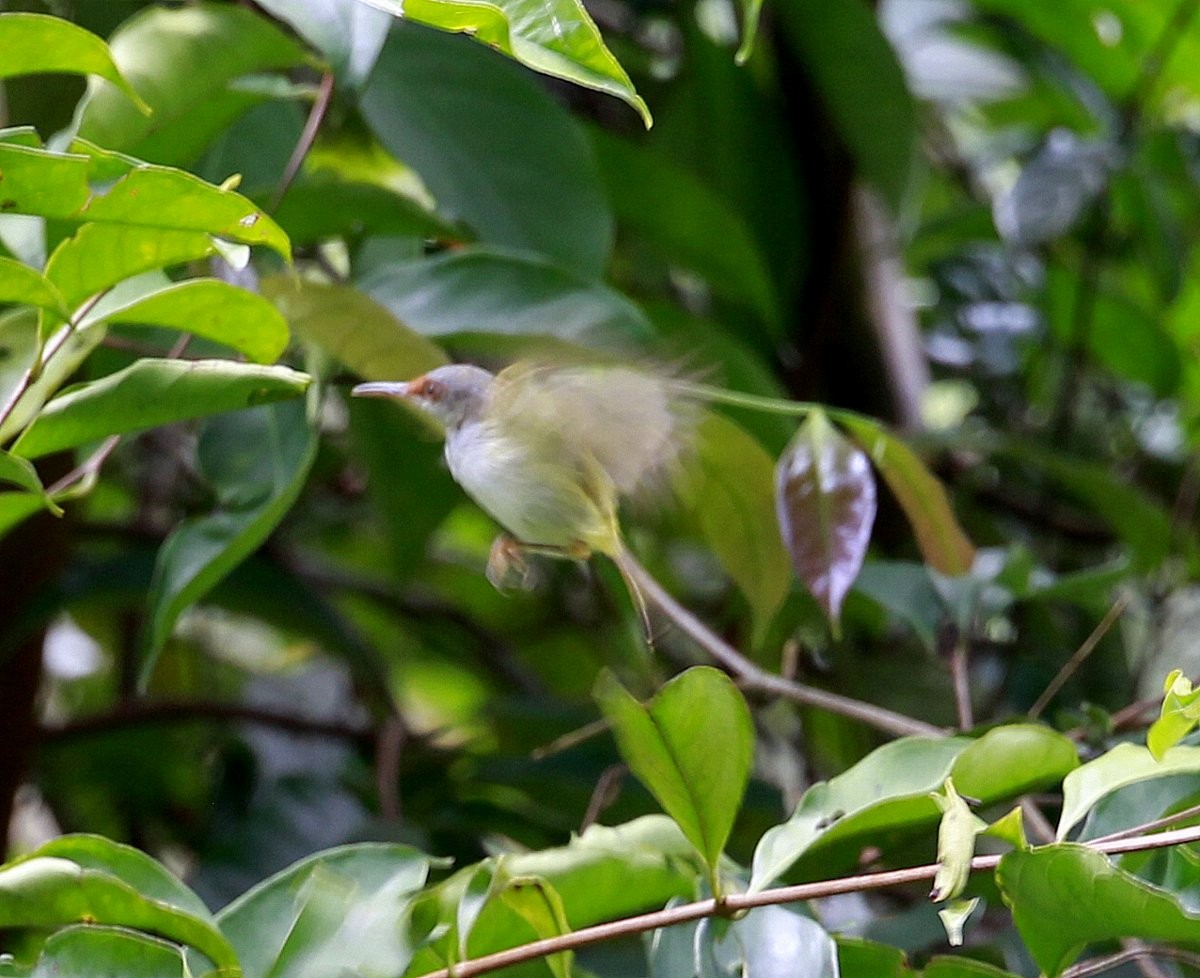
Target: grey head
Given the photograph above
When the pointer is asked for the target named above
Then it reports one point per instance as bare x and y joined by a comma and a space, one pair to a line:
454, 394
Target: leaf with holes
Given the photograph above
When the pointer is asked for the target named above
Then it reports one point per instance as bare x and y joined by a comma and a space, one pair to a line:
825, 500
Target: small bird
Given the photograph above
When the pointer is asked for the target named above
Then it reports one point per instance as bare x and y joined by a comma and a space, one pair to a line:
548, 450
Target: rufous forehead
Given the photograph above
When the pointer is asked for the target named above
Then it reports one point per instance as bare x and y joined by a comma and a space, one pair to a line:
426, 387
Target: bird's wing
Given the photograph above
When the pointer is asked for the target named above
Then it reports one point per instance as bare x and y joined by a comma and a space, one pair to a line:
625, 419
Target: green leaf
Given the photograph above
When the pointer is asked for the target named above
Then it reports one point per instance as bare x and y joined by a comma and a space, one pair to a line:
825, 501
486, 290
1178, 716
19, 472
352, 327
726, 486
341, 911
1120, 767
256, 461
49, 891
1044, 887
189, 63
215, 310
862, 85
540, 906
922, 497
151, 392
688, 222
16, 507
90, 184
891, 789
349, 33
859, 958
319, 208
92, 951
26, 286
494, 149
38, 44
692, 747
555, 37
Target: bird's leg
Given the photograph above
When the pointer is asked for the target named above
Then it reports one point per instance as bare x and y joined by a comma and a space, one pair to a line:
507, 562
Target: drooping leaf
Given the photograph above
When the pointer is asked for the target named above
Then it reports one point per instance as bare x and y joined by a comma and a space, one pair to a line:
558, 38
726, 486
152, 392
692, 747
19, 472
494, 149
890, 789
340, 911
487, 290
26, 286
825, 501
190, 64
355, 329
922, 497
1123, 765
349, 33
539, 905
256, 461
1043, 886
36, 44
956, 843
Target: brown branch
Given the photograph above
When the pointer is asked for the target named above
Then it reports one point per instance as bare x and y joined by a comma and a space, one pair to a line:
187, 711
735, 903
304, 144
754, 679
1098, 965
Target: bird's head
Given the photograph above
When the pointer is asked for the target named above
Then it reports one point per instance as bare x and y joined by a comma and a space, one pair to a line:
453, 395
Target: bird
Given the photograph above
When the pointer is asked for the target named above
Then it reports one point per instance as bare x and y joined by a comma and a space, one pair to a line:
549, 450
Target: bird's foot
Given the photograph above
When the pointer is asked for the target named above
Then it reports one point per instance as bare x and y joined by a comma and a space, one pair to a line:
507, 567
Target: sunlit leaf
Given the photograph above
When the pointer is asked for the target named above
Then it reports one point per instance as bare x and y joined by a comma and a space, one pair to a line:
825, 500
692, 747
37, 44
152, 392
557, 38
190, 64
1044, 888
25, 286
922, 497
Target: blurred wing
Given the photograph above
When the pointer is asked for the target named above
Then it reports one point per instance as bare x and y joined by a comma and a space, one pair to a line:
625, 419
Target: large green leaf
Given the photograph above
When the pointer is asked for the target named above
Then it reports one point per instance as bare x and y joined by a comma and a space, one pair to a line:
891, 789
485, 290
825, 499
92, 951
256, 461
192, 65
37, 44
726, 486
922, 497
688, 222
1066, 896
319, 208
89, 184
692, 747
341, 911
862, 85
492, 146
350, 33
46, 891
152, 392
354, 328
1118, 768
556, 37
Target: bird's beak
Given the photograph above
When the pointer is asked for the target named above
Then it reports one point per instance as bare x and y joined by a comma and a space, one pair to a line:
392, 389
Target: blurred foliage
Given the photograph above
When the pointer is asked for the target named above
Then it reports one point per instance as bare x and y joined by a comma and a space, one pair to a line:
248, 641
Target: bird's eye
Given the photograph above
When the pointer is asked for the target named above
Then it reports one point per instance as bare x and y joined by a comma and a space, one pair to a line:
433, 390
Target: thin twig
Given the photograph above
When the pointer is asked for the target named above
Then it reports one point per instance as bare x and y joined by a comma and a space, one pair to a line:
754, 679
308, 136
606, 790
1158, 823
1036, 823
389, 746
734, 903
961, 678
1081, 654
1095, 966
183, 711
